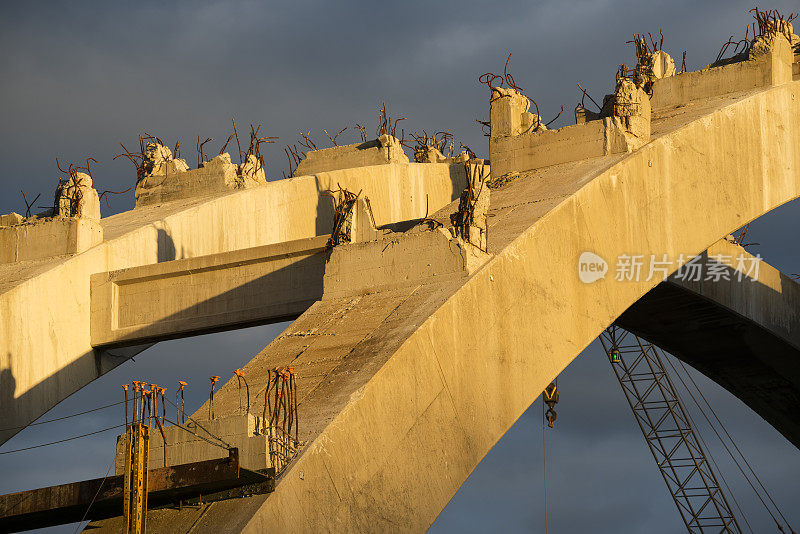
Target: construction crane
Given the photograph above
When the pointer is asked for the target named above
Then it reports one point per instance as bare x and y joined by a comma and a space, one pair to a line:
668, 432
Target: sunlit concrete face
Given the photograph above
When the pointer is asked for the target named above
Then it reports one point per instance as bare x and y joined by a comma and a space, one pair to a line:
45, 335
361, 352
404, 390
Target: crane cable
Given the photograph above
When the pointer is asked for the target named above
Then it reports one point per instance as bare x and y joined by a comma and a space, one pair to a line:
744, 458
62, 440
544, 467
61, 418
735, 461
708, 452
78, 527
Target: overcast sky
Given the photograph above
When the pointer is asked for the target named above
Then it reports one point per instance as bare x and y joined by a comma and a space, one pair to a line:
78, 78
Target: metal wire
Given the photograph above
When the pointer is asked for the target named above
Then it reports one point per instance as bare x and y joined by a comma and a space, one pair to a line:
63, 440
227, 445
735, 461
61, 418
113, 461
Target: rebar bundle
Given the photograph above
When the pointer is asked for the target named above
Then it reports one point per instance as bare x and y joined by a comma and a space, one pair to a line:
280, 416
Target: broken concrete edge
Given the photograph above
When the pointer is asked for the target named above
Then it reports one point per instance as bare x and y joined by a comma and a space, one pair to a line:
431, 154
171, 179
517, 144
75, 197
767, 63
52, 237
385, 149
623, 132
428, 252
70, 227
420, 256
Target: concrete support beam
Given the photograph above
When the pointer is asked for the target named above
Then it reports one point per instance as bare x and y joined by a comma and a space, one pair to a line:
403, 391
173, 180
103, 497
258, 285
577, 142
419, 256
45, 342
241, 431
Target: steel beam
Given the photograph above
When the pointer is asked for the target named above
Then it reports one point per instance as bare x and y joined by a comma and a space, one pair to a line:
102, 498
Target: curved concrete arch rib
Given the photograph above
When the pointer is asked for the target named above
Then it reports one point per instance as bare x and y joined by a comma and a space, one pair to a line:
404, 389
47, 350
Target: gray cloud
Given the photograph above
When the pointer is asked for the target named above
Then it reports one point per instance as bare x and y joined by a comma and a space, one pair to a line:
77, 80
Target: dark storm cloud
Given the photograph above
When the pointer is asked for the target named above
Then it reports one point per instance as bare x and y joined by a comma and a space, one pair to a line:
80, 78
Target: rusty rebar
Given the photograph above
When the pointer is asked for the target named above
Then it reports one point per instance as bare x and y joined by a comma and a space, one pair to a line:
221, 150
239, 378
201, 157
585, 94
363, 132
307, 143
211, 398
109, 192
554, 118
28, 205
236, 135
333, 139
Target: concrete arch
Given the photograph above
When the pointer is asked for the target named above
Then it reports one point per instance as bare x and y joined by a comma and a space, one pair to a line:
405, 390
46, 353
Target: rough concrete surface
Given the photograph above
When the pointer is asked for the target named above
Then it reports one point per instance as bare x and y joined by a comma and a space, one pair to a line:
769, 63
404, 390
422, 352
171, 179
45, 342
385, 149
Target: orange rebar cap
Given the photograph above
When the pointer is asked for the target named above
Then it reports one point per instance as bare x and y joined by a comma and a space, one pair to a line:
238, 372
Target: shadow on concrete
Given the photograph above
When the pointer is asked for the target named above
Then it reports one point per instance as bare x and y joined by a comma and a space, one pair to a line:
323, 223
166, 247
295, 288
45, 395
757, 364
458, 177
8, 385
